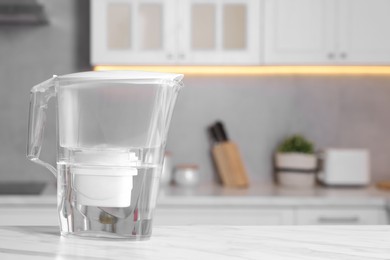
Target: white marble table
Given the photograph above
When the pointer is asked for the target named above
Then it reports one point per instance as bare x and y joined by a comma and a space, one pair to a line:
205, 242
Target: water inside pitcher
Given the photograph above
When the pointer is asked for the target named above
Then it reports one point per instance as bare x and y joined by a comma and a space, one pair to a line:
111, 135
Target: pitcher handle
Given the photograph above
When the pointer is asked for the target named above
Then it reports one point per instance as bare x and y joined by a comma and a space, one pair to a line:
39, 98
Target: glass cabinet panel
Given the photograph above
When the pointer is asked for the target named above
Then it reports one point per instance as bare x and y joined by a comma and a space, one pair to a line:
118, 26
234, 26
150, 26
203, 31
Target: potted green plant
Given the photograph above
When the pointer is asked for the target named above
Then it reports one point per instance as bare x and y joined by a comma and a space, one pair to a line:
296, 163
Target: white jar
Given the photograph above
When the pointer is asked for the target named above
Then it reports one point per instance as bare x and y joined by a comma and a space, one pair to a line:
186, 175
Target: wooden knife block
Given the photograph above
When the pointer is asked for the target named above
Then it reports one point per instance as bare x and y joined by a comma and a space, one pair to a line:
383, 185
229, 165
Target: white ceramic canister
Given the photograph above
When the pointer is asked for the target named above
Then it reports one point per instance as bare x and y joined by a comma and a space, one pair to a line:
186, 175
296, 170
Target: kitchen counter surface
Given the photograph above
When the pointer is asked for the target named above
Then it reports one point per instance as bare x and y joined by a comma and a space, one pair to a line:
272, 195
204, 242
255, 195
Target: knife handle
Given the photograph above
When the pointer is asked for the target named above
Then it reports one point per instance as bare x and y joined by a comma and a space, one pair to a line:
220, 129
213, 134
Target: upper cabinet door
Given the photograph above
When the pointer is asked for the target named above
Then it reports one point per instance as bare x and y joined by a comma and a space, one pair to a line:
132, 32
364, 35
219, 32
300, 31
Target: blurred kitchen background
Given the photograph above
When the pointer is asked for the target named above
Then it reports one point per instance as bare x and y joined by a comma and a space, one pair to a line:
259, 111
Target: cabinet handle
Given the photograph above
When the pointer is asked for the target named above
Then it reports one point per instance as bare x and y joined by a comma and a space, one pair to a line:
343, 55
182, 56
169, 56
336, 220
331, 55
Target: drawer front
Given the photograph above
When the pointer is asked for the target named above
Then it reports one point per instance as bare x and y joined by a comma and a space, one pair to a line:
28, 216
222, 216
345, 216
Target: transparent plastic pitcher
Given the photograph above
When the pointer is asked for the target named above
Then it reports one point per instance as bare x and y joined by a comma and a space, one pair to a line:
111, 134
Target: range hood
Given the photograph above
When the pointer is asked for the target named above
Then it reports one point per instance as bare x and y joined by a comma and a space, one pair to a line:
22, 12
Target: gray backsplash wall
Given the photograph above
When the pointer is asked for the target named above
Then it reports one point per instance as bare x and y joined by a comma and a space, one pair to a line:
29, 55
333, 111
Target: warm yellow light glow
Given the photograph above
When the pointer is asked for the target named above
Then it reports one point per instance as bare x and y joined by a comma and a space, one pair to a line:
258, 70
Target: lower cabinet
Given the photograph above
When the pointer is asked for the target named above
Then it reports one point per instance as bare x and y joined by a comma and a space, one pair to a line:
222, 216
344, 216
29, 216
256, 215
247, 215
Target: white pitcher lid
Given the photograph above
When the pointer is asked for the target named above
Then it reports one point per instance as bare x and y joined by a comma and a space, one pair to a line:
122, 75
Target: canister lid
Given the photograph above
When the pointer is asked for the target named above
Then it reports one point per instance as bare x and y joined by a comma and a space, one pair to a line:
187, 167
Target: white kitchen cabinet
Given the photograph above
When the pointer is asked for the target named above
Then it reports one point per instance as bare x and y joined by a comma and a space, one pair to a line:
233, 215
133, 32
219, 32
40, 215
325, 32
340, 216
137, 32
242, 216
299, 31
364, 32
219, 214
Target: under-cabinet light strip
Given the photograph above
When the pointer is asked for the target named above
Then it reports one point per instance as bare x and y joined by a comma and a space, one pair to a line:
258, 70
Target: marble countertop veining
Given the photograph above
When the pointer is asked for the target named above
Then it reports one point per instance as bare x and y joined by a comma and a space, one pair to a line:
205, 242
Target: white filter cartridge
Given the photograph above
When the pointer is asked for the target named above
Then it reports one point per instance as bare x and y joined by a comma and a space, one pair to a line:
103, 186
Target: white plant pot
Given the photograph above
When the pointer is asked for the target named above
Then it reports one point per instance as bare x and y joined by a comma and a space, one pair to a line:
296, 170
